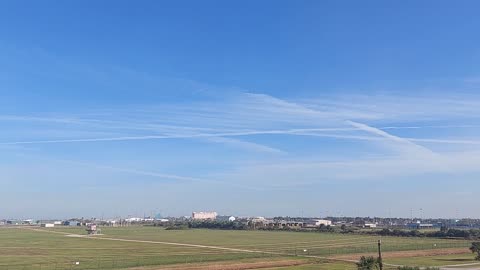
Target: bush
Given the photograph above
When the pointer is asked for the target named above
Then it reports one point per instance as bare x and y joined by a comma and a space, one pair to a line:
368, 263
177, 227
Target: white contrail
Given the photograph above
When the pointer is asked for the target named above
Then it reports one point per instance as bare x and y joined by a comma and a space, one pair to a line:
176, 136
409, 144
246, 145
300, 132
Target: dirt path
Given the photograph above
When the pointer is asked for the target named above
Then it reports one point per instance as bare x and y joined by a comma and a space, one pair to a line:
230, 266
406, 254
462, 267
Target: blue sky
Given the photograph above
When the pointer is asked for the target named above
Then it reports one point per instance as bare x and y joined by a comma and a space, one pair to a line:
247, 108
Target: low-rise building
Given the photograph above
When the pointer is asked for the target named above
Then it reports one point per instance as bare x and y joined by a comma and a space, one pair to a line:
418, 226
133, 219
204, 215
283, 224
226, 218
325, 222
72, 223
27, 221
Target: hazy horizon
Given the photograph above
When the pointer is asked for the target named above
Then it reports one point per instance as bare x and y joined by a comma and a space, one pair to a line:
266, 108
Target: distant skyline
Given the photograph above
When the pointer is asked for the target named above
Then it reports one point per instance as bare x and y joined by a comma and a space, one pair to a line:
265, 108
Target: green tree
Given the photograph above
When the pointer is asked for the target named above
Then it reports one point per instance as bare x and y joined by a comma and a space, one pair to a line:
475, 248
368, 263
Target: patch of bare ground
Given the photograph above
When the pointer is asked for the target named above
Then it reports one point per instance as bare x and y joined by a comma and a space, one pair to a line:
234, 265
405, 254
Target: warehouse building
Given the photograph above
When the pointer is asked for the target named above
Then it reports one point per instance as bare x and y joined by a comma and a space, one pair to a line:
204, 215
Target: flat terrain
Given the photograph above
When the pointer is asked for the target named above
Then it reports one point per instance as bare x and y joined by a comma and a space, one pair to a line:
144, 247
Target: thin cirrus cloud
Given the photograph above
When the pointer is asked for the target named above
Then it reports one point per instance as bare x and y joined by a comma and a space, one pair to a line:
241, 118
288, 145
257, 114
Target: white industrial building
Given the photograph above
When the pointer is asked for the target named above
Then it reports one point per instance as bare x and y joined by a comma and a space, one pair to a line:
325, 222
204, 215
47, 225
134, 219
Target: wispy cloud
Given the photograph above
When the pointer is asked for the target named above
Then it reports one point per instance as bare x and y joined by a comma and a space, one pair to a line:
257, 114
246, 145
241, 117
407, 145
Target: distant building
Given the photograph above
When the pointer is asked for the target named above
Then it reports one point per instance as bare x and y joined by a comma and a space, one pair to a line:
72, 223
325, 222
14, 222
110, 222
47, 225
162, 220
315, 223
418, 226
370, 225
226, 218
258, 219
204, 215
283, 224
134, 219
359, 223
27, 221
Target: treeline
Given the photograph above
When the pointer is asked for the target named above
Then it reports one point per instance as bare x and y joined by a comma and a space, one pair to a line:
443, 233
208, 224
222, 225
235, 225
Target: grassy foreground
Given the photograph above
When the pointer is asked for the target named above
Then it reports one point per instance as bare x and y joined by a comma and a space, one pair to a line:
143, 246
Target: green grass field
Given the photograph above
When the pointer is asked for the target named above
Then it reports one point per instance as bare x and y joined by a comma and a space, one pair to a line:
55, 249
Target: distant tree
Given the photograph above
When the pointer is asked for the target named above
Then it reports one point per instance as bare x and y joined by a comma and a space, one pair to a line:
475, 248
368, 263
343, 227
385, 232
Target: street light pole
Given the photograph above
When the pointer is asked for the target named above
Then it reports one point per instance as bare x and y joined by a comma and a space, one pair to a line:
380, 262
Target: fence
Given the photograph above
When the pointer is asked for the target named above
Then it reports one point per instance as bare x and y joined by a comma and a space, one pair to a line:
310, 250
371, 247
129, 261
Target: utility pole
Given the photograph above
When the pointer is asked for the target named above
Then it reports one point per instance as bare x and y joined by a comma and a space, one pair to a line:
380, 262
